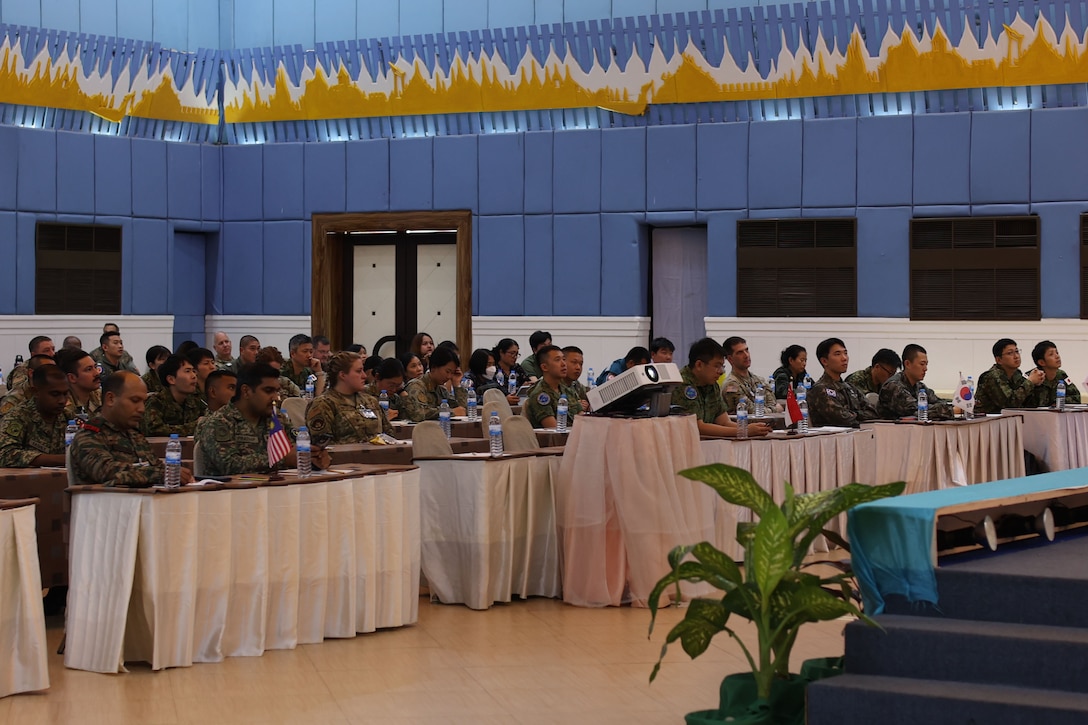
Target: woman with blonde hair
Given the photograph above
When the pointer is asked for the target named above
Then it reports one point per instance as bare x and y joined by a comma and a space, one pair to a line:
344, 413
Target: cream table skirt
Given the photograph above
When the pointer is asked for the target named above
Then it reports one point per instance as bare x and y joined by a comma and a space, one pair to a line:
23, 648
1059, 440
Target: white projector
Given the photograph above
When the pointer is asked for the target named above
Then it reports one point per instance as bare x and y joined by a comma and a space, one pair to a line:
643, 385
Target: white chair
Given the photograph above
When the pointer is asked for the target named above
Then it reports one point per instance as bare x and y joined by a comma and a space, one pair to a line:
428, 440
518, 435
496, 396
873, 398
485, 416
295, 408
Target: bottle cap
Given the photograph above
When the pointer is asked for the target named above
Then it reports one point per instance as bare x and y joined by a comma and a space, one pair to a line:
301, 428
173, 436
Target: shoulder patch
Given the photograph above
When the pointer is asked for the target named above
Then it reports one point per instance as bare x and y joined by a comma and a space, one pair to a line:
1069, 381
732, 388
91, 428
317, 423
832, 393
690, 393
543, 399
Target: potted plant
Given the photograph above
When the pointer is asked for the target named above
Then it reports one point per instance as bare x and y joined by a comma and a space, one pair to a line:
772, 591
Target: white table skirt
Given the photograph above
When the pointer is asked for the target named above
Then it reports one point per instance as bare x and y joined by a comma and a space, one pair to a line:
195, 577
1060, 440
22, 620
488, 529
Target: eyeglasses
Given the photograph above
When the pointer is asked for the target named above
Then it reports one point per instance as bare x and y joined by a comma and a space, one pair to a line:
888, 369
1011, 352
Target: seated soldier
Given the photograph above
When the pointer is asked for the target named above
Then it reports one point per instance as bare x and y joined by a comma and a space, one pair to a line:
425, 394
203, 361
219, 389
110, 449
634, 356
272, 356
323, 350
832, 400
741, 382
344, 413
223, 347
885, 364
84, 384
543, 401
20, 375
21, 393
574, 359
661, 350
113, 357
234, 439
156, 355
248, 347
701, 396
1003, 385
531, 364
899, 394
178, 407
72, 343
99, 354
33, 433
1047, 359
371, 364
301, 363
389, 378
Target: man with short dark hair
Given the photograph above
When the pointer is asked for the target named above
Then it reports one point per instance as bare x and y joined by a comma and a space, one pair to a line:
832, 400
741, 382
301, 363
272, 356
899, 393
542, 404
20, 376
154, 357
635, 356
223, 348
661, 350
1047, 359
700, 395
178, 407
72, 342
575, 358
110, 449
124, 360
33, 433
389, 378
21, 393
537, 340
248, 347
219, 389
1003, 385
203, 361
323, 349
885, 364
84, 384
425, 394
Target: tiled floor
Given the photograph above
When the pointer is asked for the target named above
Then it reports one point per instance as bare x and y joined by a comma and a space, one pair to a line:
536, 661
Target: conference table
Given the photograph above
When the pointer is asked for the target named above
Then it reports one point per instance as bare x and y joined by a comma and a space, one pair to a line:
199, 574
1058, 440
23, 650
488, 526
51, 517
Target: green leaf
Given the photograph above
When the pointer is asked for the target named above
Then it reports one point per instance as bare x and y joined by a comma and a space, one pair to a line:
733, 484
703, 619
677, 555
840, 500
835, 538
814, 604
772, 551
709, 555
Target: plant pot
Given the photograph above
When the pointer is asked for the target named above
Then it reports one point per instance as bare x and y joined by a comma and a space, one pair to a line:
739, 703
820, 668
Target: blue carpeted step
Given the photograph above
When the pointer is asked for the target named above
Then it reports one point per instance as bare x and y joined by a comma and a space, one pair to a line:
1025, 655
867, 699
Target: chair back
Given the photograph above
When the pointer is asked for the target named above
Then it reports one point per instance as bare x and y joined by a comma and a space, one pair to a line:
485, 415
493, 394
873, 398
72, 480
198, 460
496, 396
429, 440
518, 435
295, 408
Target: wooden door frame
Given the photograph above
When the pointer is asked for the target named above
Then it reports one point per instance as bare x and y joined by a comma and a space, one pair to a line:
327, 289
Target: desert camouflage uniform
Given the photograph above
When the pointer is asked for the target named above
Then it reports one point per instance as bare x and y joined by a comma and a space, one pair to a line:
163, 415
423, 396
837, 402
345, 418
1046, 392
14, 399
863, 380
899, 399
230, 444
735, 387
25, 435
543, 402
396, 400
102, 453
74, 410
996, 391
19, 375
288, 389
705, 401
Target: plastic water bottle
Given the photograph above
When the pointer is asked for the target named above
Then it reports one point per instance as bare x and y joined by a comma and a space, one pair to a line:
742, 418
383, 401
801, 393
444, 418
923, 404
591, 381
494, 435
969, 413
1, 377
808, 382
18, 361
309, 394
173, 460
470, 406
70, 433
302, 450
1059, 401
802, 425
561, 409
512, 383
761, 399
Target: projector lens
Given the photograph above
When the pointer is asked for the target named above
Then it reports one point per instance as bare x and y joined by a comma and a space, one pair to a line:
651, 373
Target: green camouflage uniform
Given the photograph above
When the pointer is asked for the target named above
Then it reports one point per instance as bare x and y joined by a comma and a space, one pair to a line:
74, 410
899, 399
288, 389
396, 400
580, 391
25, 435
705, 401
227, 365
837, 402
1046, 392
531, 368
103, 453
543, 402
163, 415
863, 380
736, 387
347, 418
423, 396
299, 378
14, 399
20, 375
996, 391
151, 380
230, 444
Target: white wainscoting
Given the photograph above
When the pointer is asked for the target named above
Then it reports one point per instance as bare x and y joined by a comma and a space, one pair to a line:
139, 332
952, 346
272, 330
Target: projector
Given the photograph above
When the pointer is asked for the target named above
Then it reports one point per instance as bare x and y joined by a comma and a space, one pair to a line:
643, 385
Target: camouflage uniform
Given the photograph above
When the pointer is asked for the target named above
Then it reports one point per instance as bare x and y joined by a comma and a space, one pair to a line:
163, 415
837, 402
736, 387
299, 378
125, 363
25, 435
231, 365
996, 391
783, 380
74, 410
705, 401
580, 391
20, 375
230, 444
1046, 392
345, 417
151, 380
424, 396
899, 399
863, 380
543, 402
14, 399
396, 400
288, 389
103, 453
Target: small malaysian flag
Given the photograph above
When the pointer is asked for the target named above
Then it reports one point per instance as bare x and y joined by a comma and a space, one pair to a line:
278, 443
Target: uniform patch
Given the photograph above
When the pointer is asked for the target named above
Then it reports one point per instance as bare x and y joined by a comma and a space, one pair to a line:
1069, 381
832, 393
543, 399
690, 393
318, 424
732, 388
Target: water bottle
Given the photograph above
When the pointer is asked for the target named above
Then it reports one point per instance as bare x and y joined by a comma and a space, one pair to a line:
761, 398
802, 425
923, 404
444, 418
500, 379
742, 418
1059, 401
302, 450
969, 413
808, 382
383, 401
494, 435
470, 406
512, 384
591, 381
70, 433
561, 414
1, 377
173, 460
18, 361
801, 393
309, 394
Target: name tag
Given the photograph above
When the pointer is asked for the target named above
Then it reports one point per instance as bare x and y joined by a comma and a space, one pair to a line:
368, 413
